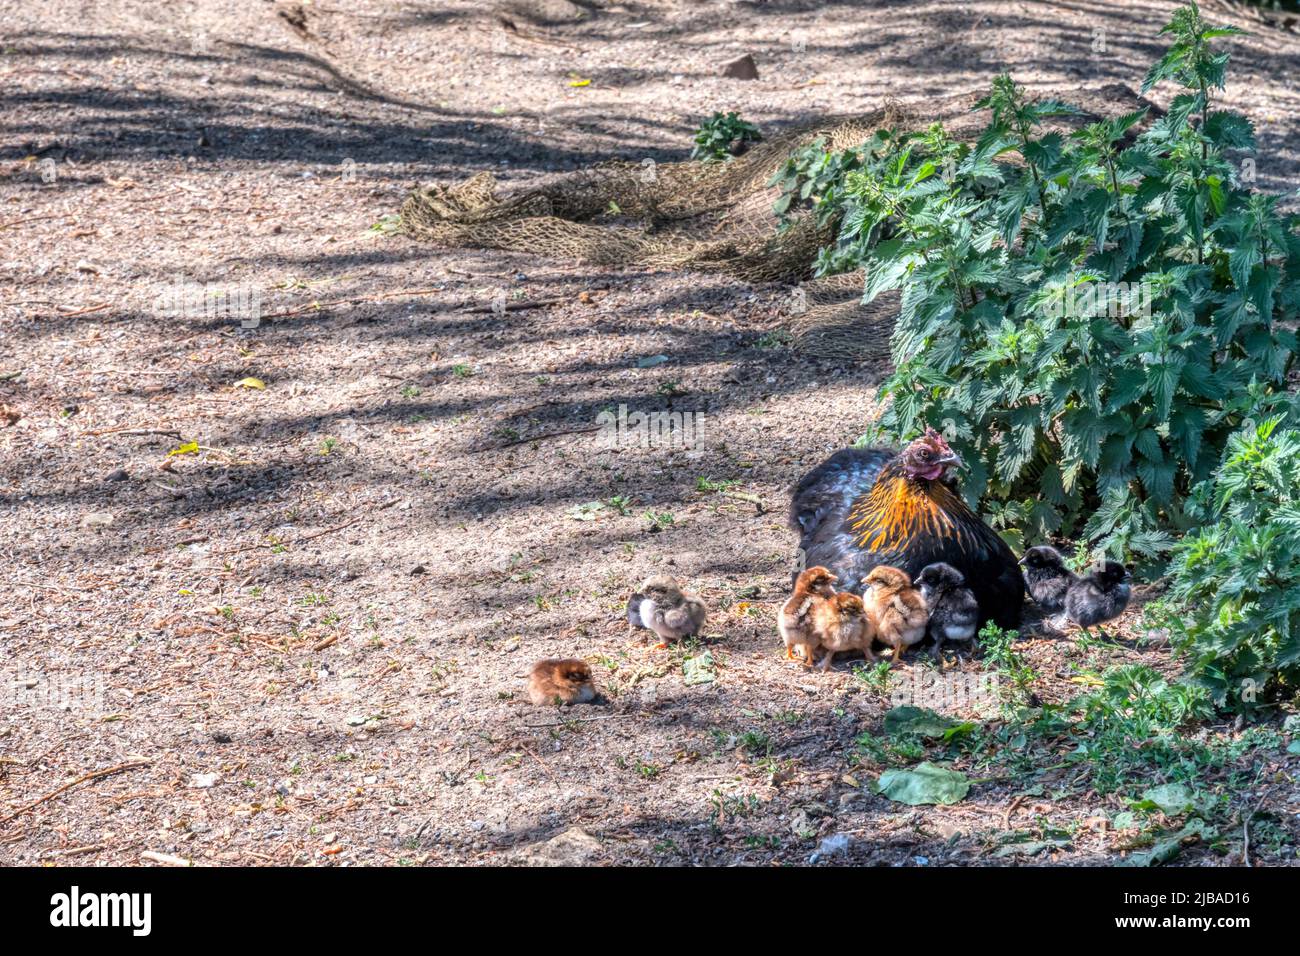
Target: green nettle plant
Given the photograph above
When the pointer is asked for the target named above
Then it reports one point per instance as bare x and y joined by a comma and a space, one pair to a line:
1238, 576
1089, 315
722, 136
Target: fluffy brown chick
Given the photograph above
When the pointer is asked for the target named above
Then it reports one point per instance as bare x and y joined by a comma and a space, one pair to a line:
813, 591
895, 608
561, 682
841, 623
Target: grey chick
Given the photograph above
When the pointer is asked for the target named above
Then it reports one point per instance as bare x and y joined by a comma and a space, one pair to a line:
663, 607
1047, 578
954, 612
1099, 596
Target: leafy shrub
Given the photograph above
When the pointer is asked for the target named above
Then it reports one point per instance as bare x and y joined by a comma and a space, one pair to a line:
722, 136
1238, 576
1088, 316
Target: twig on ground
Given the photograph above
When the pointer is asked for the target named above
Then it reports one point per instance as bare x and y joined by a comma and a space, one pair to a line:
544, 435
19, 222
540, 762
86, 311
580, 720
287, 544
84, 778
166, 859
1015, 805
515, 306
136, 431
352, 300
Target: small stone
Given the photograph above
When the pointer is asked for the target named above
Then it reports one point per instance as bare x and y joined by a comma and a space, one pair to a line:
117, 474
204, 781
97, 519
574, 847
742, 68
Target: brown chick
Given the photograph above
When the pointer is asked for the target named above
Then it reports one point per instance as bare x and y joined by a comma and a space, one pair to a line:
813, 590
561, 682
895, 608
842, 625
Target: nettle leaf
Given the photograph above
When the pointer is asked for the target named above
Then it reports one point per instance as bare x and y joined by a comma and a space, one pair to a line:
1261, 289
1147, 441
1017, 452
1187, 429
1162, 380
1083, 435
1241, 261
1128, 384
888, 266
1158, 478
1094, 213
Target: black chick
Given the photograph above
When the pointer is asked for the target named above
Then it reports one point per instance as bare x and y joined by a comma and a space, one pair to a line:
954, 612
1099, 596
1047, 578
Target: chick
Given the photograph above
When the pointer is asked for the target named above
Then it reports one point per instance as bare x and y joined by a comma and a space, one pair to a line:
954, 612
1099, 596
841, 624
895, 608
1047, 578
797, 620
663, 607
559, 682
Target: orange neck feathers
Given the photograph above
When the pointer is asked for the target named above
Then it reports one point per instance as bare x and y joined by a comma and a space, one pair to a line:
897, 509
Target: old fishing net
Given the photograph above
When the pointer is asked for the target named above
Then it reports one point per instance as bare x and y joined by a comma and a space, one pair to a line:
708, 217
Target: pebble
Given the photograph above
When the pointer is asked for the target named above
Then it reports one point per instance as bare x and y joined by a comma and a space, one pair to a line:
97, 519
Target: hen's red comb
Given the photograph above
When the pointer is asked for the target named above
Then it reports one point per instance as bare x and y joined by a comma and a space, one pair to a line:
936, 439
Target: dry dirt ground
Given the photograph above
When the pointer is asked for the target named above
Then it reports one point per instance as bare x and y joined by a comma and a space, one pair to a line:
303, 641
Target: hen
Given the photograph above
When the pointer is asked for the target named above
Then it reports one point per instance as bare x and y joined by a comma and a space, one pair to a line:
865, 507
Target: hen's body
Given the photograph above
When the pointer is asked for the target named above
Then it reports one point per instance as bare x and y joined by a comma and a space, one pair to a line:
865, 507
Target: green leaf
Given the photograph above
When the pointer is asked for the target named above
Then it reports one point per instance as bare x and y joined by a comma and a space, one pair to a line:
927, 783
698, 670
1167, 849
1173, 799
918, 720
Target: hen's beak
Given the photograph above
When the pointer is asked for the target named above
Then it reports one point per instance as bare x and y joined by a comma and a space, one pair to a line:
1021, 562
951, 460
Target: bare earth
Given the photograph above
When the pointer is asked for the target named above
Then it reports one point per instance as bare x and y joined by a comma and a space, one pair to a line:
304, 642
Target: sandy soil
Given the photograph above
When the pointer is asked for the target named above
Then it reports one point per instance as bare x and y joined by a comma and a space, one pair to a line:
304, 641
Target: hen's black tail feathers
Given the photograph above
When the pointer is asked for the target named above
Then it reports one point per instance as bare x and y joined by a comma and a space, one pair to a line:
828, 491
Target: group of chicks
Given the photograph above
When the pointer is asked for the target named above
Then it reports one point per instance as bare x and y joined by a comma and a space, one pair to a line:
893, 610
898, 612
1088, 600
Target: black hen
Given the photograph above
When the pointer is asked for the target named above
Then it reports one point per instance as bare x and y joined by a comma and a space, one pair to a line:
866, 507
